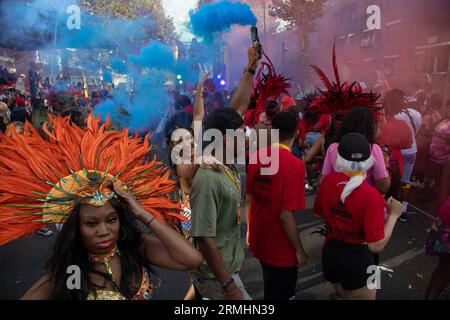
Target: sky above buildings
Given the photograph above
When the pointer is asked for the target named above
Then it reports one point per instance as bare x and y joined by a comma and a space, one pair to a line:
179, 11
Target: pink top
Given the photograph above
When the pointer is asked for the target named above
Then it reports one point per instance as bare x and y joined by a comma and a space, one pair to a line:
378, 171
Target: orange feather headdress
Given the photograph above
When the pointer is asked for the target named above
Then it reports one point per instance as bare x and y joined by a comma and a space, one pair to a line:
42, 178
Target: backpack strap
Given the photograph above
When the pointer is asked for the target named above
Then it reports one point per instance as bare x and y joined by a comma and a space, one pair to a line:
411, 120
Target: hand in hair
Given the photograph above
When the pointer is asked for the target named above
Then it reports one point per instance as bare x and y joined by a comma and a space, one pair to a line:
127, 198
166, 248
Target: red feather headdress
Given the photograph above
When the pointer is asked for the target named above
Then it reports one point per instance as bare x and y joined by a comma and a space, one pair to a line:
268, 85
342, 97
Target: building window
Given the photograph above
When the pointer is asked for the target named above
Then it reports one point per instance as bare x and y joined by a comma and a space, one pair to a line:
442, 60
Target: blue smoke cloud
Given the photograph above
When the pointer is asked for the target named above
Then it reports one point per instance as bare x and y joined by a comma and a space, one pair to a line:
150, 102
107, 76
37, 20
116, 108
119, 66
142, 109
154, 55
218, 17
130, 51
136, 106
150, 98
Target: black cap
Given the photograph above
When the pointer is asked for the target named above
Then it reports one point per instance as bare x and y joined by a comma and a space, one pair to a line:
354, 147
223, 119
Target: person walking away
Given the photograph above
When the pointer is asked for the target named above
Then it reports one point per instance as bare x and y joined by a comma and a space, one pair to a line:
395, 104
272, 201
354, 213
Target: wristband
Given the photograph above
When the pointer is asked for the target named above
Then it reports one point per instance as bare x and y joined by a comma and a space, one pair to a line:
227, 284
226, 294
148, 223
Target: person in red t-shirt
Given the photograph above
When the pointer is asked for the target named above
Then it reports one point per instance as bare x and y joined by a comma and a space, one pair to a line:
354, 216
272, 199
393, 136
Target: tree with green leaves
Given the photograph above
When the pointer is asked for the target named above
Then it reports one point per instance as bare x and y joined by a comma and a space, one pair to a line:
164, 28
299, 14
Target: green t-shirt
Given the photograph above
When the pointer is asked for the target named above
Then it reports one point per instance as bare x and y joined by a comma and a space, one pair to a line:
214, 202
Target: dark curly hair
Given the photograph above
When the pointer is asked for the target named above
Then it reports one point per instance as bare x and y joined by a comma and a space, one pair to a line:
360, 120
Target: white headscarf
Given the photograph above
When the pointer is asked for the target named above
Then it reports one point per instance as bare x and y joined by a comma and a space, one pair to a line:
355, 170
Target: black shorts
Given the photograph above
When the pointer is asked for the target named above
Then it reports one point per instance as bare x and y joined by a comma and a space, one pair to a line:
279, 283
347, 264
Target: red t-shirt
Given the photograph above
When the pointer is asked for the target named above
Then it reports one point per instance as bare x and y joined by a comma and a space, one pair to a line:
395, 133
359, 220
271, 194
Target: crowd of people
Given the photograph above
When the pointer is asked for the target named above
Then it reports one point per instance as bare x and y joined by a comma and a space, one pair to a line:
364, 153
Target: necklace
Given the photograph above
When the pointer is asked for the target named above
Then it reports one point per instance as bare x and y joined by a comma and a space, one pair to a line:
234, 177
105, 259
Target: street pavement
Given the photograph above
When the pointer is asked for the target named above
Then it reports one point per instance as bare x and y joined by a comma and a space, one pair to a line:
22, 264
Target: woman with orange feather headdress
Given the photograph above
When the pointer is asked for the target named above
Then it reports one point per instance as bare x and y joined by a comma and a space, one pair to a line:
99, 183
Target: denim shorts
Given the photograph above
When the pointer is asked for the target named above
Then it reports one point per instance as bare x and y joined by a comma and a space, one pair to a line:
311, 138
408, 166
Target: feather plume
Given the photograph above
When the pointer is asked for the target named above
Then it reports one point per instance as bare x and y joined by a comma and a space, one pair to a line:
32, 165
335, 67
342, 97
323, 77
